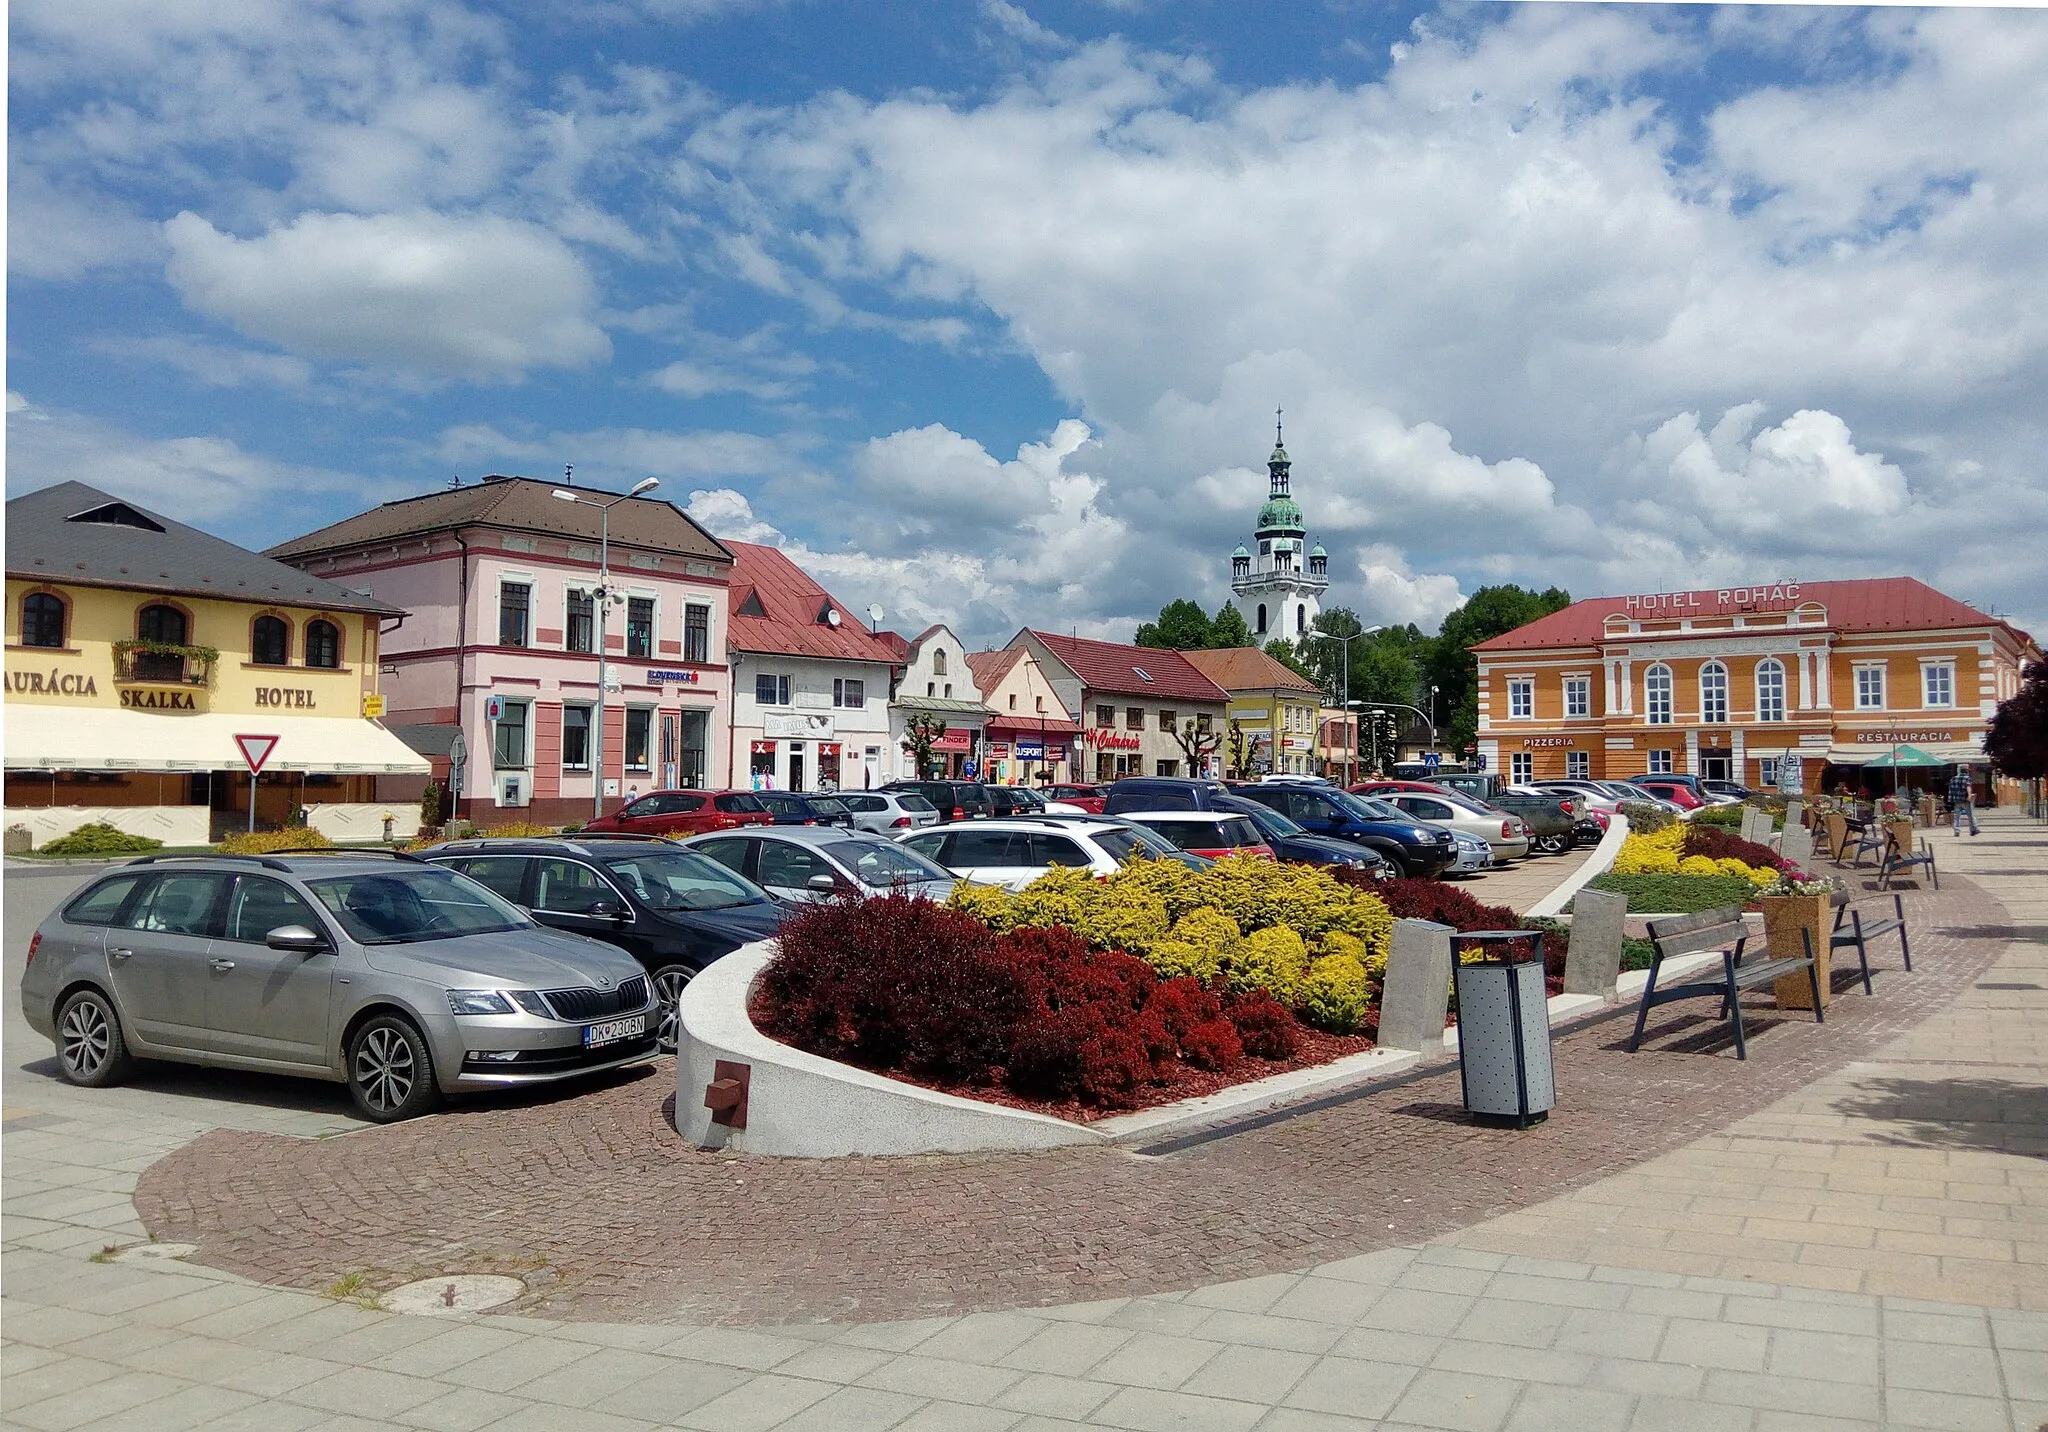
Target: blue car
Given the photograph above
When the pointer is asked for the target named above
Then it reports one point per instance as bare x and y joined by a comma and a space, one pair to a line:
1412, 848
1289, 841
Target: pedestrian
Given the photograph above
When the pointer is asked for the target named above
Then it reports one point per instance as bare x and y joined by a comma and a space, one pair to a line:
1959, 803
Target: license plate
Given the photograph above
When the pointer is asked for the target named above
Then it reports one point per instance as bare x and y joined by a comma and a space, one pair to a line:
613, 1030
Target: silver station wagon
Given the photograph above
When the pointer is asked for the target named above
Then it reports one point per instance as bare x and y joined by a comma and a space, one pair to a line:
403, 980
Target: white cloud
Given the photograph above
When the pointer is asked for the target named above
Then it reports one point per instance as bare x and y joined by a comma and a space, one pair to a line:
1395, 597
608, 457
210, 364
479, 297
725, 512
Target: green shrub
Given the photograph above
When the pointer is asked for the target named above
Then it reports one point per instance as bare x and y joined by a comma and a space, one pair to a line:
1273, 959
99, 838
266, 842
1645, 819
1677, 894
1728, 816
1635, 953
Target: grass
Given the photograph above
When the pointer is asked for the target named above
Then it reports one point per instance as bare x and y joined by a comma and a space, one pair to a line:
1677, 894
1636, 954
356, 1288
106, 1254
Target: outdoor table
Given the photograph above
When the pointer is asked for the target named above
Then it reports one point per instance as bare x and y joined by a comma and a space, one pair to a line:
1504, 1058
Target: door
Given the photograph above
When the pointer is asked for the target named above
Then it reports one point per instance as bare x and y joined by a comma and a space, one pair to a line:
1717, 765
159, 958
732, 851
263, 1003
503, 875
796, 770
787, 869
995, 857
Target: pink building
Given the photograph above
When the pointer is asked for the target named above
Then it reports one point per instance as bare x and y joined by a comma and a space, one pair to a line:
494, 674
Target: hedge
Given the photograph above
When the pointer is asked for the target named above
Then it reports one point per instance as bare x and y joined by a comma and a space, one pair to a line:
1677, 894
99, 838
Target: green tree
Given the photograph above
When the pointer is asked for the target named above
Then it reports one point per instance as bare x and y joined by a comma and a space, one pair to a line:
1454, 670
1229, 629
2018, 739
920, 733
1284, 652
1182, 626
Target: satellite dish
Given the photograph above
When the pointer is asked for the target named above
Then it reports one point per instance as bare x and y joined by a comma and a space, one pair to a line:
832, 617
875, 616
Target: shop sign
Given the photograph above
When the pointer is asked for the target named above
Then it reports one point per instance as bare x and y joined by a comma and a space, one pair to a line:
957, 738
1720, 598
999, 750
798, 725
373, 706
54, 683
829, 748
296, 696
1530, 743
665, 677
1250, 713
1296, 743
761, 748
1105, 738
1901, 738
147, 699
1031, 750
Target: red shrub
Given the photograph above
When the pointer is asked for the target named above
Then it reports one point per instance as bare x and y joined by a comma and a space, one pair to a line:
1264, 1026
1212, 1044
1415, 899
1718, 844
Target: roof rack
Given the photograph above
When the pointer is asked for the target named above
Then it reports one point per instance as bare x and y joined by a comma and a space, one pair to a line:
276, 861
268, 862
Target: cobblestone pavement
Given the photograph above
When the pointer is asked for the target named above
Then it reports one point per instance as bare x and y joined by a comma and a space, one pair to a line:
609, 1215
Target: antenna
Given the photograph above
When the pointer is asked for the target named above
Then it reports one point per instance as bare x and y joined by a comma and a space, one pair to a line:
568, 474
455, 481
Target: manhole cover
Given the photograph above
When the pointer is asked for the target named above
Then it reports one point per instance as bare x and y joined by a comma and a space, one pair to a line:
155, 1252
456, 1293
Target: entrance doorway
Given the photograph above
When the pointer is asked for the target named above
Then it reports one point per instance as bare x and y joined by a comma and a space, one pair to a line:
1717, 764
796, 767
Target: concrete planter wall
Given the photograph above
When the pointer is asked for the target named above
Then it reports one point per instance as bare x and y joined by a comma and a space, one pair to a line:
173, 825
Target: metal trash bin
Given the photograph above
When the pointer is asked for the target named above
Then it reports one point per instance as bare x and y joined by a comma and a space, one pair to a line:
1504, 1031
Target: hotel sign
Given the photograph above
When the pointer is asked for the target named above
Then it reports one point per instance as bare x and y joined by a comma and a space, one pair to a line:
1720, 599
54, 683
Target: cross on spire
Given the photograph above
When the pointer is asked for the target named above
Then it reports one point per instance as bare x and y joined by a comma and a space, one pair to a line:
1276, 429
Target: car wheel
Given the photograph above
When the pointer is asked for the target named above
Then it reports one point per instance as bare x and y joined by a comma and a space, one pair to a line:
90, 1049
668, 988
1550, 844
390, 1071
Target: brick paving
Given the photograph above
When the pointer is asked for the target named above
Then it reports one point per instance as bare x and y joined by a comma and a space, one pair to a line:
608, 1215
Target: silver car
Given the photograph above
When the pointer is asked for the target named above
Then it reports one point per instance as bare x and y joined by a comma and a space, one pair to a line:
889, 812
810, 862
399, 978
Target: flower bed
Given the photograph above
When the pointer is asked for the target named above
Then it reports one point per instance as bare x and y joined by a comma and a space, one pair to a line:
1678, 894
1688, 849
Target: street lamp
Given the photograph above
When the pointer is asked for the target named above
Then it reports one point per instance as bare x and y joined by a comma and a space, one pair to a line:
1351, 742
604, 598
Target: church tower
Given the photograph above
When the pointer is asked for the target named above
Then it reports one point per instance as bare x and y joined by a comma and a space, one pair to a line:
1279, 590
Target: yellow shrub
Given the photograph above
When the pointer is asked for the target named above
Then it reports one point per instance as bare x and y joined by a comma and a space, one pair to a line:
1336, 994
1700, 865
1273, 959
1650, 854
1057, 897
1123, 918
990, 904
265, 842
1177, 885
520, 830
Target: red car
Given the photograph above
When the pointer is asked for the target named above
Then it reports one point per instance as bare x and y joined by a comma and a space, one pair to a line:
1421, 788
1088, 798
685, 813
1677, 792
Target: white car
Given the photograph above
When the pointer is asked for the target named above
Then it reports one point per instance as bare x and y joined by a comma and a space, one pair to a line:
1013, 853
1507, 834
1212, 834
889, 813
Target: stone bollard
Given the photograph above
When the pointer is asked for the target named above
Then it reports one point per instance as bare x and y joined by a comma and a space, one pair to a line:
1416, 994
1795, 813
1594, 960
1796, 845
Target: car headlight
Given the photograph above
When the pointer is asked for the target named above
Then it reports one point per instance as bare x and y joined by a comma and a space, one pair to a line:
531, 1002
477, 1001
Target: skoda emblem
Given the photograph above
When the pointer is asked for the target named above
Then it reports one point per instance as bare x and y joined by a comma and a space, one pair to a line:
603, 983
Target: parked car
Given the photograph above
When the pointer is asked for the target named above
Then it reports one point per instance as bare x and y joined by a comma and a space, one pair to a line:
1586, 796
1552, 817
953, 800
832, 808
1411, 847
798, 863
1086, 798
671, 908
1474, 785
399, 978
683, 813
791, 808
1023, 800
1013, 853
1288, 841
1209, 834
1474, 855
888, 812
1735, 789
1162, 793
1676, 791
1629, 791
1507, 834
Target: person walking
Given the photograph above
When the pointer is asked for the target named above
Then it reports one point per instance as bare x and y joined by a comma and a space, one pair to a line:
1959, 804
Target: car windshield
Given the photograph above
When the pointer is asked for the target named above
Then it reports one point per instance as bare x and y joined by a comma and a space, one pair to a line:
881, 863
1125, 841
402, 907
1364, 807
1027, 796
672, 880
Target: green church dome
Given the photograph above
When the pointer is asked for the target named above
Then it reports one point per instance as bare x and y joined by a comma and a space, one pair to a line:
1281, 514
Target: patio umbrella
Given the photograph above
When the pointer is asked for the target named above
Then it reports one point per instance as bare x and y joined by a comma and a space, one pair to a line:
1905, 758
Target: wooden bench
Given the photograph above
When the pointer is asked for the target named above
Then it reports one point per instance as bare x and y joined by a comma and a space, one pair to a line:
1857, 936
1719, 929
1900, 855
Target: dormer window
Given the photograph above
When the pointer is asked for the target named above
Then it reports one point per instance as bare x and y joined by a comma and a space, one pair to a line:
1143, 675
116, 514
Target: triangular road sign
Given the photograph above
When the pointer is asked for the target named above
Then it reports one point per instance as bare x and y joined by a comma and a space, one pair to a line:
256, 750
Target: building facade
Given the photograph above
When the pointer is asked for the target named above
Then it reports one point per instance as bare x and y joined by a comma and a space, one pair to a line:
1270, 726
495, 674
938, 681
1279, 588
1133, 701
1031, 733
810, 706
1731, 683
139, 649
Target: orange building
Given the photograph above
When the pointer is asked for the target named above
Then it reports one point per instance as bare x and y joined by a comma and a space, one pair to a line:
1728, 683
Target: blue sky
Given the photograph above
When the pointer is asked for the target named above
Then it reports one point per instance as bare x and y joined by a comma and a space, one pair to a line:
982, 309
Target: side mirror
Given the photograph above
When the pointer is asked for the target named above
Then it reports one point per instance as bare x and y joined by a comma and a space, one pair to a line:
605, 910
296, 939
826, 883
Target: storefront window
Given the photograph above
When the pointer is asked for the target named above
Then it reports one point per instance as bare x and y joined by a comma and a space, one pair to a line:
1578, 765
1521, 767
696, 748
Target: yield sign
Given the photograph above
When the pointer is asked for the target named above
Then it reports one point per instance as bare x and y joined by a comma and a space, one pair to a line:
256, 750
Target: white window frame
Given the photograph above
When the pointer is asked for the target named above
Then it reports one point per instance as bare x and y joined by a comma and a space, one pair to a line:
783, 686
653, 734
1869, 669
1947, 672
1770, 704
1767, 771
1578, 697
1658, 712
588, 733
839, 685
1521, 768
1578, 765
1714, 680
1521, 698
1660, 763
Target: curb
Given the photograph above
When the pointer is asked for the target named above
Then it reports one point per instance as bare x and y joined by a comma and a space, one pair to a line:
1598, 863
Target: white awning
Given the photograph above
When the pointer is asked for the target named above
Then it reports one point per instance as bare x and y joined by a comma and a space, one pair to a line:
87, 738
1955, 753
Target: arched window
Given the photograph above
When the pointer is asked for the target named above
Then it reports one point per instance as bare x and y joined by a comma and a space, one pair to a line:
1713, 693
1657, 694
938, 661
166, 626
323, 644
1300, 618
1261, 627
270, 641
42, 620
1770, 689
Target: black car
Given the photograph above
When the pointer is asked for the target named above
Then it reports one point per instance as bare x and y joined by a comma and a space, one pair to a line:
1289, 841
673, 910
1410, 846
1731, 788
789, 808
1162, 793
1014, 800
954, 800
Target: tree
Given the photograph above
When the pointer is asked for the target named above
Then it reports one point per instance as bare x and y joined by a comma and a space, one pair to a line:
1182, 626
1283, 651
1229, 629
2017, 740
1454, 670
920, 733
1198, 739
1240, 752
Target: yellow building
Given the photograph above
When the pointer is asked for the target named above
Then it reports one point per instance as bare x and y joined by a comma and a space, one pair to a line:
1733, 683
139, 650
1270, 726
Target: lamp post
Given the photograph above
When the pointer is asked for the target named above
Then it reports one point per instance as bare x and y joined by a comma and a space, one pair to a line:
604, 598
1351, 739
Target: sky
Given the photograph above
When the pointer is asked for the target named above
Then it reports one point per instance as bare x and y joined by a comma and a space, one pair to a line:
983, 310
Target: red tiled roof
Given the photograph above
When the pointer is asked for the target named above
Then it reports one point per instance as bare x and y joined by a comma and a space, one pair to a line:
1246, 668
1111, 666
793, 601
1870, 604
990, 667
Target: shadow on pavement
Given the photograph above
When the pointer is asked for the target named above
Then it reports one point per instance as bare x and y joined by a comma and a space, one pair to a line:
1991, 1115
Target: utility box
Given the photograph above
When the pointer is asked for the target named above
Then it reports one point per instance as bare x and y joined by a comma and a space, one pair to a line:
1504, 1035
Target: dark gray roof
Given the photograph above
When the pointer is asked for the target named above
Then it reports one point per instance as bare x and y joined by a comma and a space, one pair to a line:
521, 504
428, 740
128, 545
